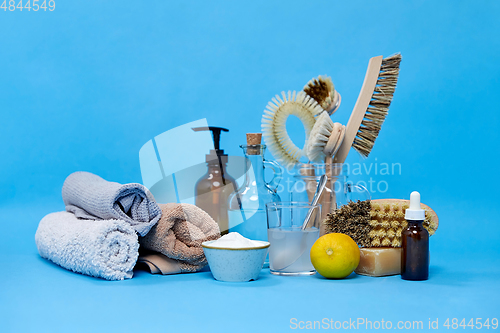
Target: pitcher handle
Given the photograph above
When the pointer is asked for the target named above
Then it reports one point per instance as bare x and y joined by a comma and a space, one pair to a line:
278, 174
359, 189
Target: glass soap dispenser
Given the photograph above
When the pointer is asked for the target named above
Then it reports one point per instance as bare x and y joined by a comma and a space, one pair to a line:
247, 206
213, 189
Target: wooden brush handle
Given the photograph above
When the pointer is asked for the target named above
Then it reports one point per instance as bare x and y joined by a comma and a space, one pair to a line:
327, 199
308, 171
358, 113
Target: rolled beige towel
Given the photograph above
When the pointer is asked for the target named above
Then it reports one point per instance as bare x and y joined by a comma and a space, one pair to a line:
177, 238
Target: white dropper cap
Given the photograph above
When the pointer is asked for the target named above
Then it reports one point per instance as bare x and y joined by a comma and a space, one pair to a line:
415, 213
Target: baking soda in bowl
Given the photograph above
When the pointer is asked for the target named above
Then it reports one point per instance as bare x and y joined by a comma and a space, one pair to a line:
234, 240
234, 258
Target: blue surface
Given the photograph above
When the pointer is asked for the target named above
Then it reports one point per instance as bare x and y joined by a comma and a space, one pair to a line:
86, 86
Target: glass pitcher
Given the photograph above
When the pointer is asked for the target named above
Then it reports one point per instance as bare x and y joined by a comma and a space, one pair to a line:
338, 191
247, 205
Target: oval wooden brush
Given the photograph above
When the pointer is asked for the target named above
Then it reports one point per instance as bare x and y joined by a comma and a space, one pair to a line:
376, 223
387, 219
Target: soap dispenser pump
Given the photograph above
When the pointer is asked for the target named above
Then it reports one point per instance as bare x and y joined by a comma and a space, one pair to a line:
212, 190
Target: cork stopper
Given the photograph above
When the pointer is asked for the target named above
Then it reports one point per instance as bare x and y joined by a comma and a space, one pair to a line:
254, 139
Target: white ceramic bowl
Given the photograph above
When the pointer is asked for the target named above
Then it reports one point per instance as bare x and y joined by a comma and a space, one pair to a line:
235, 265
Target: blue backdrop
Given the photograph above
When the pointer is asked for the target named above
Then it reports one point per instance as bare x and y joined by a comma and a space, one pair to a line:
85, 86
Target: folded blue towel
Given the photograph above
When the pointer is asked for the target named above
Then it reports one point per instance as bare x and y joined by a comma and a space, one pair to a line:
90, 197
107, 249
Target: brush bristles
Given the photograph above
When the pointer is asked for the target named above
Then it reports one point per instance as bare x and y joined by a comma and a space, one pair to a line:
386, 241
319, 136
353, 220
379, 105
373, 224
322, 91
386, 223
274, 124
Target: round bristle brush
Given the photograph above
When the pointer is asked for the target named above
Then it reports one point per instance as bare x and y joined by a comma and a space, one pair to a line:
325, 139
274, 124
323, 91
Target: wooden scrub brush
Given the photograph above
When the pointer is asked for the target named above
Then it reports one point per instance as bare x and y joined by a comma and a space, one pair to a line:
371, 107
274, 124
376, 223
323, 91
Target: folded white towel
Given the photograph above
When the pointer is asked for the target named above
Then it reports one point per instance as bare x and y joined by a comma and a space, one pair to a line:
107, 248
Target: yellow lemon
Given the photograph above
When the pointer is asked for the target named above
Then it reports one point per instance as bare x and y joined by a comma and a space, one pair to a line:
335, 256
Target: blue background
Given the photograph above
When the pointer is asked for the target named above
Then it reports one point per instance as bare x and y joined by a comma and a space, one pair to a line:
85, 86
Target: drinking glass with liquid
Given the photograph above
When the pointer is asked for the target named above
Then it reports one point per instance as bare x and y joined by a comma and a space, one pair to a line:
289, 253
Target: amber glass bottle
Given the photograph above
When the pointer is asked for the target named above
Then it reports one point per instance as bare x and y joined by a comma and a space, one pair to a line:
213, 191
415, 243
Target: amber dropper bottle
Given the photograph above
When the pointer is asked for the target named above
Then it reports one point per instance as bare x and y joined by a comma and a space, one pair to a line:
415, 243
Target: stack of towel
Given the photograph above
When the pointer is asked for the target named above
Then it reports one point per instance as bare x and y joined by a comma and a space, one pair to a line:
99, 233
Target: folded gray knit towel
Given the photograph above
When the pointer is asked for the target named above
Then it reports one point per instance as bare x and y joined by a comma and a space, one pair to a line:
107, 249
89, 196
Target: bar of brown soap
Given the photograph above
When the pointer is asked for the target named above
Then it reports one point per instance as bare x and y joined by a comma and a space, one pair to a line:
379, 261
